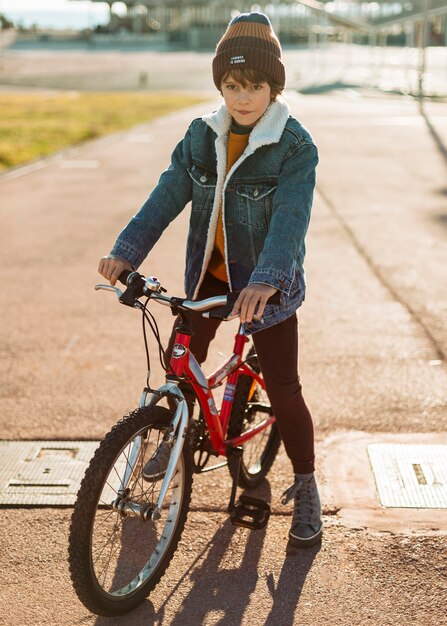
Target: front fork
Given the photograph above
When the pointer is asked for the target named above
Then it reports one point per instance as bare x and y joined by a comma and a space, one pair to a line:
176, 433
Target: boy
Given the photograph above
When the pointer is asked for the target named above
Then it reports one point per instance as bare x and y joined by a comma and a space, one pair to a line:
249, 169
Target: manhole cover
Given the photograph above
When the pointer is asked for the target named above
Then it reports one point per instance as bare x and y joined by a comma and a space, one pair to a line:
410, 476
42, 473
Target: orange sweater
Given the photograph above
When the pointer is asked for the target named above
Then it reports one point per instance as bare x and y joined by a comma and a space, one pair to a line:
236, 146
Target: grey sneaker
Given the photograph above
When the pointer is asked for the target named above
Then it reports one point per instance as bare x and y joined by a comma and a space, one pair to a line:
307, 527
156, 467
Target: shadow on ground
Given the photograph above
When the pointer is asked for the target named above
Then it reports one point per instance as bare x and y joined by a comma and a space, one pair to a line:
327, 88
221, 581
441, 218
433, 132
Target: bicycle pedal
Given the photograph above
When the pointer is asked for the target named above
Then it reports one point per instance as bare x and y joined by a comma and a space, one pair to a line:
250, 513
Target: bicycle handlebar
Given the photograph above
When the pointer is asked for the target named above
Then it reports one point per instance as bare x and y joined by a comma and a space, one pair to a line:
138, 285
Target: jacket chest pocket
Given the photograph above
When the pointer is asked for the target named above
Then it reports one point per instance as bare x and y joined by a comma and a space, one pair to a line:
255, 204
204, 188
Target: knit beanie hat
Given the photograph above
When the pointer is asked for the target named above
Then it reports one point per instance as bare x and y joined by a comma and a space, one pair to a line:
249, 43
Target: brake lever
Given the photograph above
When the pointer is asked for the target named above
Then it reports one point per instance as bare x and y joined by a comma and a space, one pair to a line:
118, 292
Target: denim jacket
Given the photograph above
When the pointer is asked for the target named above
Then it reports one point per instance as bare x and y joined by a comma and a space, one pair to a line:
266, 200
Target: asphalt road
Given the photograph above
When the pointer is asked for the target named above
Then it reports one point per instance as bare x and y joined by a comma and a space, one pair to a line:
372, 359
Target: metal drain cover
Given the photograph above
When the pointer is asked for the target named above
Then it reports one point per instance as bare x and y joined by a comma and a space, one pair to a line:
42, 473
410, 476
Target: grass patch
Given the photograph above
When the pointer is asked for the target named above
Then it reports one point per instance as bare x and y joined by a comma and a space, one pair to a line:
36, 125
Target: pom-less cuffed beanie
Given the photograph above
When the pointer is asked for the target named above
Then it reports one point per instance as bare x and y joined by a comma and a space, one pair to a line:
249, 43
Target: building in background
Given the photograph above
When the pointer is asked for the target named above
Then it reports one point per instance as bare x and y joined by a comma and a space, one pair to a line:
199, 23
392, 46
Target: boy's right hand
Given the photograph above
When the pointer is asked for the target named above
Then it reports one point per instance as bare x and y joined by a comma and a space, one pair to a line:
111, 266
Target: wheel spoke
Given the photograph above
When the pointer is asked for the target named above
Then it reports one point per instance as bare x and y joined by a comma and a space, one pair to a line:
131, 540
108, 515
116, 556
108, 543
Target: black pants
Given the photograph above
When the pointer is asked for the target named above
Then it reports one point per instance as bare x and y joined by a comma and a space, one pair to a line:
277, 350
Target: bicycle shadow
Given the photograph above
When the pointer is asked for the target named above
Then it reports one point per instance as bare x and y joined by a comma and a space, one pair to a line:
131, 558
223, 584
218, 585
224, 581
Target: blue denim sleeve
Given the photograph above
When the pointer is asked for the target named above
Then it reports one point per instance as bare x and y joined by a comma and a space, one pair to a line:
170, 196
284, 248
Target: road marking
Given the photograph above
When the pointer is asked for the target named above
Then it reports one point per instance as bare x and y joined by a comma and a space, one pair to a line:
78, 164
139, 138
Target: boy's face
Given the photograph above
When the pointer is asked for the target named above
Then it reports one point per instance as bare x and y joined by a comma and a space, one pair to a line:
246, 104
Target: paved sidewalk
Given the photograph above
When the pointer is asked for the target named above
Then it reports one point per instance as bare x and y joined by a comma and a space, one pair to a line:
372, 359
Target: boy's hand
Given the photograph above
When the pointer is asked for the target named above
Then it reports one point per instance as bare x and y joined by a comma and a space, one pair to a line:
111, 267
252, 301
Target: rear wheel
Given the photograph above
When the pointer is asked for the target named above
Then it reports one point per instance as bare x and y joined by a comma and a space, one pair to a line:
116, 558
250, 407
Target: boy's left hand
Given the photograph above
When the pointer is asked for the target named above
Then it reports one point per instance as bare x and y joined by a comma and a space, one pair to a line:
252, 300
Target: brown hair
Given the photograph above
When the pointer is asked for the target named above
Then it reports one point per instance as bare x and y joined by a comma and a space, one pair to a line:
244, 76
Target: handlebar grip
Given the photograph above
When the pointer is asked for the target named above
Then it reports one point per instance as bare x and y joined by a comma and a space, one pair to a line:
135, 284
124, 276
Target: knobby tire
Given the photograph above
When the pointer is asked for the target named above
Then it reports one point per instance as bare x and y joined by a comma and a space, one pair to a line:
134, 534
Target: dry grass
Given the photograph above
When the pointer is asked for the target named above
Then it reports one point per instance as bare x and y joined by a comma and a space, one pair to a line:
36, 125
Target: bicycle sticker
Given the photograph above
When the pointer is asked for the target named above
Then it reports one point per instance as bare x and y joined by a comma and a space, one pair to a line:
212, 406
178, 351
229, 392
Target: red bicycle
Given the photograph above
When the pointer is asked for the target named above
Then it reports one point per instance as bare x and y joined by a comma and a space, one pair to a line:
125, 528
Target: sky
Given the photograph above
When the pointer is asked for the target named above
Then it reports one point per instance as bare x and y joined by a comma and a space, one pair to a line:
44, 5
58, 13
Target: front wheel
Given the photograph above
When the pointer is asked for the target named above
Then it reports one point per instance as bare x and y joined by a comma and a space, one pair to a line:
250, 407
116, 558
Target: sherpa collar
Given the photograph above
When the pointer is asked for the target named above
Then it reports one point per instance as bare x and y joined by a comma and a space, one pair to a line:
268, 129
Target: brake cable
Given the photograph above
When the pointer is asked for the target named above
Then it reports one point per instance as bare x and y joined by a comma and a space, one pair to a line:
149, 318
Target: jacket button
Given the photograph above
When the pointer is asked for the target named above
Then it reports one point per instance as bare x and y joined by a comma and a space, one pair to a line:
203, 179
256, 193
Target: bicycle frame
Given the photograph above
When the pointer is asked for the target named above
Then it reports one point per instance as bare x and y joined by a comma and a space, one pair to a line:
184, 364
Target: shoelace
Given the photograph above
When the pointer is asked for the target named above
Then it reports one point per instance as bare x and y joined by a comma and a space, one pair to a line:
304, 506
291, 492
